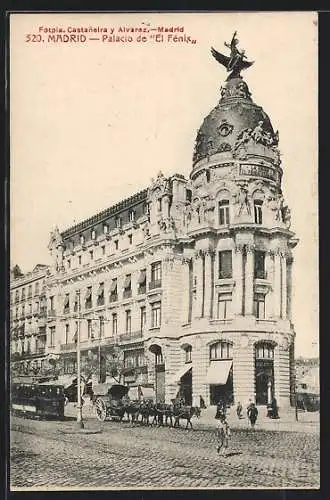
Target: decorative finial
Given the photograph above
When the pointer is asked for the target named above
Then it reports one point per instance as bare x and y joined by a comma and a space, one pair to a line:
235, 62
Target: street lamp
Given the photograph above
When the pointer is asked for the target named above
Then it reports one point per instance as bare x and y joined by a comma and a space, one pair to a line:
80, 422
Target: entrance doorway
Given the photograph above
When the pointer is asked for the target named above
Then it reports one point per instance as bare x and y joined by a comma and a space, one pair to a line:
185, 391
264, 372
223, 392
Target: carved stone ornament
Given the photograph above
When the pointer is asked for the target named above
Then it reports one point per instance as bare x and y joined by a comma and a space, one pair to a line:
242, 199
286, 216
225, 128
159, 186
55, 239
166, 224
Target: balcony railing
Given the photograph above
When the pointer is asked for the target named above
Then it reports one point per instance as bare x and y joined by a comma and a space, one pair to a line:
225, 275
260, 274
69, 347
128, 337
142, 289
155, 284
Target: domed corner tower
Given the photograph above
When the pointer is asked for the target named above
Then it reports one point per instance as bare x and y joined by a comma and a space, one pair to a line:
242, 266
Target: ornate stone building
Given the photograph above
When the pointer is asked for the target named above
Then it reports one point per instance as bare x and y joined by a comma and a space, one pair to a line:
191, 277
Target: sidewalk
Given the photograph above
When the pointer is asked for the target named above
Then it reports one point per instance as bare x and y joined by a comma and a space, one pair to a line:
307, 421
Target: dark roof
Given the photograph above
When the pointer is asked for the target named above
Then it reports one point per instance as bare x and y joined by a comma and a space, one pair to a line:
99, 217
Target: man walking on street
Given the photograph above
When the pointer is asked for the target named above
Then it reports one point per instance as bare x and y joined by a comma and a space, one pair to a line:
252, 413
223, 435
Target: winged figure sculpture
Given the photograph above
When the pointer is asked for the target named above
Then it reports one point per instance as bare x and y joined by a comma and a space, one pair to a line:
234, 63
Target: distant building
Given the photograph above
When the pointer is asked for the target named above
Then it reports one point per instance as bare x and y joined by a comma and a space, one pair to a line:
28, 319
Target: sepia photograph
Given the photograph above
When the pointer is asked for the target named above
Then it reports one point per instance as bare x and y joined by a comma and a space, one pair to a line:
164, 306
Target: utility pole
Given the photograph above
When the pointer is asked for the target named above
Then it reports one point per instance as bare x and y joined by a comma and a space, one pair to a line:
80, 422
99, 354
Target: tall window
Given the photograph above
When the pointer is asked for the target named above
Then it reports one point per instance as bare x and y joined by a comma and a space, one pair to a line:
221, 350
88, 298
259, 264
79, 259
258, 212
66, 307
93, 234
259, 305
224, 212
156, 272
52, 336
67, 333
82, 239
36, 289
29, 291
114, 324
103, 250
159, 360
132, 215
130, 239
116, 243
127, 287
23, 293
91, 254
16, 296
155, 315
188, 351
143, 317
224, 306
159, 205
118, 222
89, 329
51, 303
113, 290
142, 281
105, 228
100, 295
128, 320
69, 263
225, 264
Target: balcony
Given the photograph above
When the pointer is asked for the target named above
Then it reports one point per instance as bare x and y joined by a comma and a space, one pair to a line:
100, 301
129, 337
113, 297
127, 294
68, 347
223, 275
155, 284
142, 289
260, 274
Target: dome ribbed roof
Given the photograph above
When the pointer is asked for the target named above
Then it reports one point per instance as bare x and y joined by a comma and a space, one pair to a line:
230, 124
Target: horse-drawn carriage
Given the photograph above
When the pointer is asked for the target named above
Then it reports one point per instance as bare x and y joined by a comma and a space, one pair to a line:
108, 400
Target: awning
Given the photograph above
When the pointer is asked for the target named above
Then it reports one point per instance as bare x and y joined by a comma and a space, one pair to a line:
147, 393
142, 278
113, 286
176, 378
127, 282
218, 372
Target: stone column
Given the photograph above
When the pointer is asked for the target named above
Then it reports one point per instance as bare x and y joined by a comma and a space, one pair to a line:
198, 273
249, 278
277, 286
284, 287
166, 206
289, 263
269, 306
186, 291
209, 284
238, 277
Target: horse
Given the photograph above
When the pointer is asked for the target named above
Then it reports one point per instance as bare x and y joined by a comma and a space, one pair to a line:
132, 410
163, 413
146, 410
185, 413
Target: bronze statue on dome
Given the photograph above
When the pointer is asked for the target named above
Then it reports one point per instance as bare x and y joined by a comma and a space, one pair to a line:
235, 62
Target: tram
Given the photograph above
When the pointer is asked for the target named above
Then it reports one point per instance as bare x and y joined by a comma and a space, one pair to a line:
42, 400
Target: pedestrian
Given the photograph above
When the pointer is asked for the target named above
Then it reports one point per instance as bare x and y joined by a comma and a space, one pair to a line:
221, 410
252, 414
239, 410
274, 408
223, 434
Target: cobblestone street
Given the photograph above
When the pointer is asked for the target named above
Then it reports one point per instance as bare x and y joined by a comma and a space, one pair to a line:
116, 455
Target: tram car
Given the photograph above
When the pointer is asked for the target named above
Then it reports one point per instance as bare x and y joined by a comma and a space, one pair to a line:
38, 400
110, 401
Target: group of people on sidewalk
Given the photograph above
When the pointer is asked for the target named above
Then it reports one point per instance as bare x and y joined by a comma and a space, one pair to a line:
223, 429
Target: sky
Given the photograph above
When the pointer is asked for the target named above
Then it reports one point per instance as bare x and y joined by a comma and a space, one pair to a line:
92, 122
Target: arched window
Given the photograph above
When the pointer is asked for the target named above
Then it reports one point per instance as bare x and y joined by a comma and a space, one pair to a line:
264, 350
221, 350
224, 217
188, 351
258, 211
